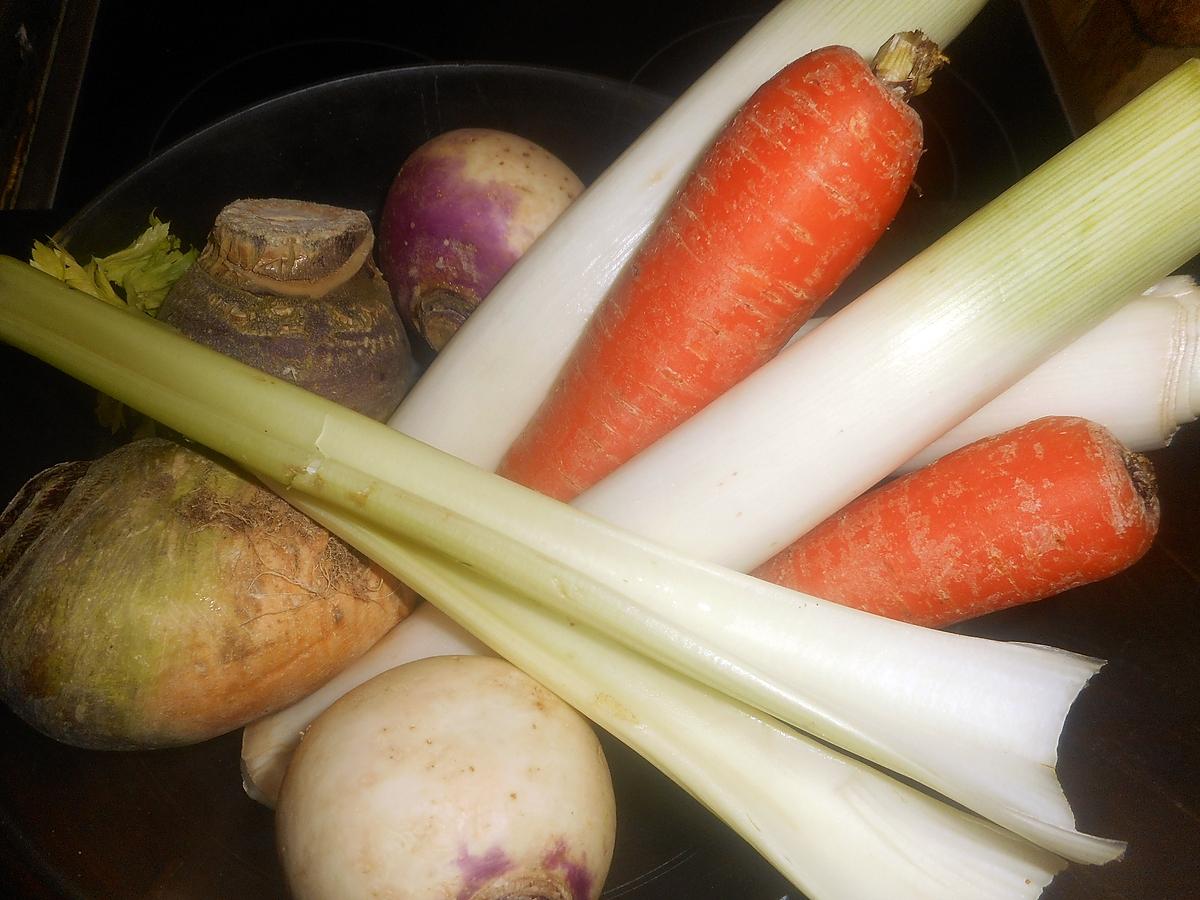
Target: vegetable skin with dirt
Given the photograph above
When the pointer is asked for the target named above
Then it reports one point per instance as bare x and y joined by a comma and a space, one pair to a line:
155, 597
289, 287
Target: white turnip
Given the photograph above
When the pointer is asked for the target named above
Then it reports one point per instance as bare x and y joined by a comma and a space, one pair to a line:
456, 776
461, 210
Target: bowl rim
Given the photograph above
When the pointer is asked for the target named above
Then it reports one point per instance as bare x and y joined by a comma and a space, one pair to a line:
67, 231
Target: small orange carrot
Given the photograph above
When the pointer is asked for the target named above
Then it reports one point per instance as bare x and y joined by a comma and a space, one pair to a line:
790, 197
1048, 506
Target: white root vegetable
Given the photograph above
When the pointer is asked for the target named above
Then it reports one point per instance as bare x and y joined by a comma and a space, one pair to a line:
958, 324
268, 743
478, 394
454, 776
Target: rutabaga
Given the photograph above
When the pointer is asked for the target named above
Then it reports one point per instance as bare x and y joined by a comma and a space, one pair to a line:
813, 813
975, 720
926, 347
488, 382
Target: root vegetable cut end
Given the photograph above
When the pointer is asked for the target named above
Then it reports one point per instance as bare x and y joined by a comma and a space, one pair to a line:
907, 61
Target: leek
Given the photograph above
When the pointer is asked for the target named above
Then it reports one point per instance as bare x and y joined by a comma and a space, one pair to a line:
962, 321
975, 720
1137, 373
480, 391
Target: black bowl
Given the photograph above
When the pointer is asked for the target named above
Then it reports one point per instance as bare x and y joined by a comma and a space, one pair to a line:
341, 142
177, 824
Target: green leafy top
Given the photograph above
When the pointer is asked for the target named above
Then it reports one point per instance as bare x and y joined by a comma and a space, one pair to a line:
136, 277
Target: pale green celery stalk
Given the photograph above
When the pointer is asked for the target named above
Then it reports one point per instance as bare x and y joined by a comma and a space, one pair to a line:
918, 353
975, 720
815, 814
488, 382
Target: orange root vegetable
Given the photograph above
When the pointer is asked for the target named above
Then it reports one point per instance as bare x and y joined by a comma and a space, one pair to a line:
794, 192
1048, 506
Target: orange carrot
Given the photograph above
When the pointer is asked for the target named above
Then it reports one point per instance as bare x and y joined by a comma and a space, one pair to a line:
1051, 505
787, 201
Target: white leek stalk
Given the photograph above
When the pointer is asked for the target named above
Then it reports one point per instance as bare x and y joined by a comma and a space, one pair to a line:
1137, 373
488, 382
811, 812
954, 327
268, 744
977, 721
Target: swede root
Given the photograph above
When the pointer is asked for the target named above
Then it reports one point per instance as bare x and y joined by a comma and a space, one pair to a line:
156, 597
290, 288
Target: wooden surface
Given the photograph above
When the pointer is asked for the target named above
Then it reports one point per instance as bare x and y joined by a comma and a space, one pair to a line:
1103, 53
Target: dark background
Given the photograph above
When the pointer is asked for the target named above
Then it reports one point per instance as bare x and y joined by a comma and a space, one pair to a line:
153, 73
131, 78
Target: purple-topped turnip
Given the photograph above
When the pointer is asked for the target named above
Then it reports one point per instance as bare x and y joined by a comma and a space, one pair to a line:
455, 776
462, 209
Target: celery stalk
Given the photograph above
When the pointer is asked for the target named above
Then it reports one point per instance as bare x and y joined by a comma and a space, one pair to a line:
978, 721
811, 812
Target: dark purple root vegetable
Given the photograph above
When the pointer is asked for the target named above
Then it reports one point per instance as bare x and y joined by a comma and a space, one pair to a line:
462, 209
290, 288
155, 597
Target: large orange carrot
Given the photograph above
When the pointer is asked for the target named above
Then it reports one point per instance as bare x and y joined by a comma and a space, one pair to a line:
793, 193
1039, 509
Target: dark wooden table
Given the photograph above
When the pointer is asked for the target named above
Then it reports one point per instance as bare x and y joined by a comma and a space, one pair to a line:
176, 824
